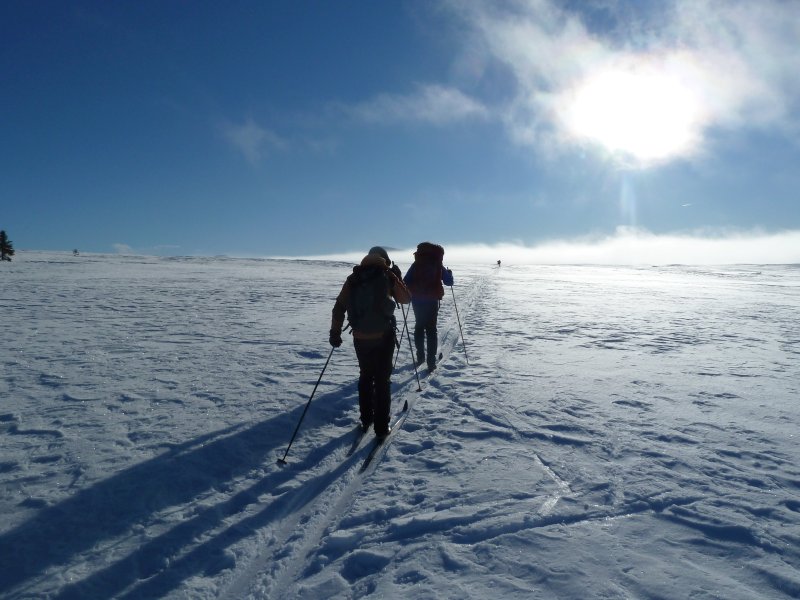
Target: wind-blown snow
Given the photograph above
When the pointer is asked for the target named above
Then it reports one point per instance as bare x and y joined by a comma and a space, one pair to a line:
617, 432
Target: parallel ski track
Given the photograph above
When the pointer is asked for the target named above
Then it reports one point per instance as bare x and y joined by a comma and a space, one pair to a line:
307, 518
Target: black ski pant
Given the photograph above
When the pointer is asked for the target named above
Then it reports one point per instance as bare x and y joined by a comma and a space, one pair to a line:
426, 313
374, 381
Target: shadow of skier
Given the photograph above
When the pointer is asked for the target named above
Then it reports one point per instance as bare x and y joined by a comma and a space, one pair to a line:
111, 507
153, 570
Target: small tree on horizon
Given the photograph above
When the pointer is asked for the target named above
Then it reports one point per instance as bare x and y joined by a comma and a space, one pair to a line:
6, 247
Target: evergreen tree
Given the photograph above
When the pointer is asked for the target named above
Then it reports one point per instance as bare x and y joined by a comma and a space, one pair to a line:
6, 248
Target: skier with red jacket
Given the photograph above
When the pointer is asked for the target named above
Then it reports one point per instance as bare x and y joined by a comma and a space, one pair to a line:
424, 280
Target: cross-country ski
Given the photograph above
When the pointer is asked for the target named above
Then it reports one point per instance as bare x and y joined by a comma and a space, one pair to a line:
380, 443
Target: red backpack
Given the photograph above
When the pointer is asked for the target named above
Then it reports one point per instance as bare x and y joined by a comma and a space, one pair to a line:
426, 283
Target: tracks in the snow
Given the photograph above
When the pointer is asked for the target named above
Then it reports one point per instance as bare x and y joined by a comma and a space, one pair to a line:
324, 499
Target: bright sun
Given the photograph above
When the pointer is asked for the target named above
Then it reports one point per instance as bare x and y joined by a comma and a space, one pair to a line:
644, 114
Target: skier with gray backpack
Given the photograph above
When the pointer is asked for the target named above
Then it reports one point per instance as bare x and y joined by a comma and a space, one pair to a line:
368, 298
424, 279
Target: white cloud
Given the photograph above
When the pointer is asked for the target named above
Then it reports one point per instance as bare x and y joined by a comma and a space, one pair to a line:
627, 246
251, 139
122, 249
736, 61
747, 56
434, 104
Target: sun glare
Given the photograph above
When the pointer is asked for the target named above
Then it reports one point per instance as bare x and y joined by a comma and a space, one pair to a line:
644, 114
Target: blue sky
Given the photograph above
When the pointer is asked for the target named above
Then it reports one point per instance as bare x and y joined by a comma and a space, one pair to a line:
315, 128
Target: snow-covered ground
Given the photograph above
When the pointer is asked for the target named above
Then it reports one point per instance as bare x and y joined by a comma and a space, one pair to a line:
616, 432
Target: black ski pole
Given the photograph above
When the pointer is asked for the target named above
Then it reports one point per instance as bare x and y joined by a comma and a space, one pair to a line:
463, 343
411, 349
402, 333
282, 461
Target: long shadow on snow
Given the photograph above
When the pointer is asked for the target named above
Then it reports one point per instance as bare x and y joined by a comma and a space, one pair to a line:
152, 565
110, 507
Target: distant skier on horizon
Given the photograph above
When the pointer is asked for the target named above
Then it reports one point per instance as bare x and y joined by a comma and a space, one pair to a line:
424, 279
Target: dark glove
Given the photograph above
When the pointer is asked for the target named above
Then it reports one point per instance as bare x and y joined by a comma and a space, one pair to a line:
447, 277
396, 270
335, 338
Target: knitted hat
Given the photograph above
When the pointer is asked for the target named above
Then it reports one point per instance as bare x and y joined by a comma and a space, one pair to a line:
380, 252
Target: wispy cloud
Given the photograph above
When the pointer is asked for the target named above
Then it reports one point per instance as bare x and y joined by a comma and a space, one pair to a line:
628, 246
748, 54
631, 246
122, 249
435, 104
252, 140
732, 63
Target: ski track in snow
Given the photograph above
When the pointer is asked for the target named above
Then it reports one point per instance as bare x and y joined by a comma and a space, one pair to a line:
318, 524
618, 433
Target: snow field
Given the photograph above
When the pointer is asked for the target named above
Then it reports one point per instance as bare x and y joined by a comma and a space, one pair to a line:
617, 433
